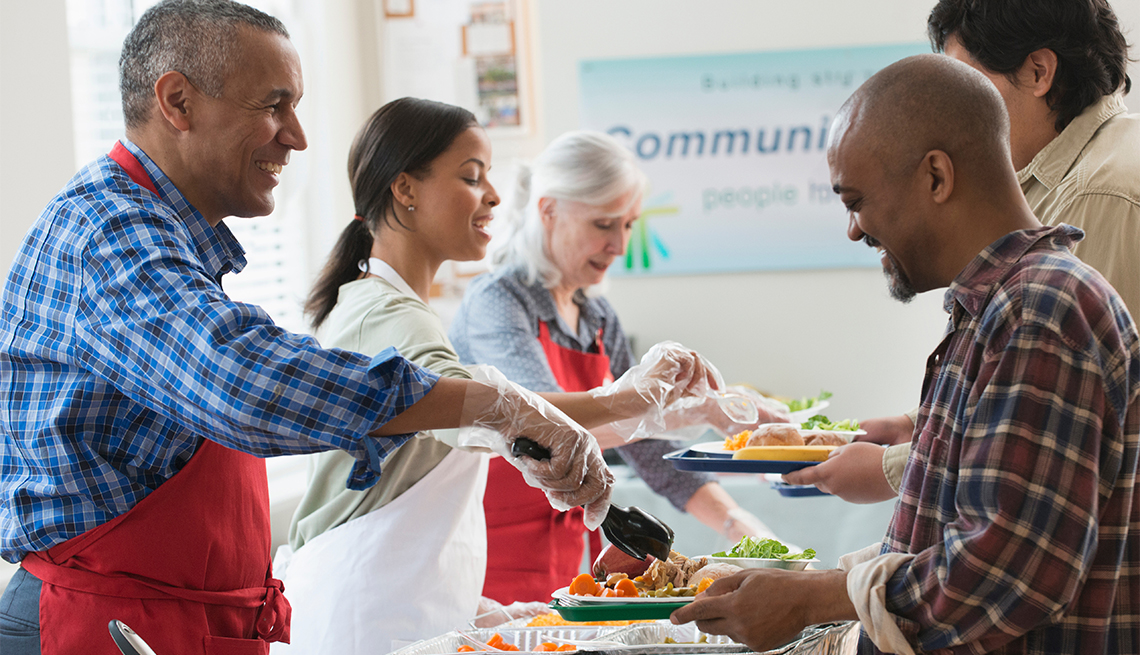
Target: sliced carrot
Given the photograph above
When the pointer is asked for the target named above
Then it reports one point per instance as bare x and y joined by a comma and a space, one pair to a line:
465, 649
496, 641
546, 647
584, 585
567, 647
626, 589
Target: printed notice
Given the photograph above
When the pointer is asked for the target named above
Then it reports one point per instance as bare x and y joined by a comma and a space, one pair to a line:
735, 150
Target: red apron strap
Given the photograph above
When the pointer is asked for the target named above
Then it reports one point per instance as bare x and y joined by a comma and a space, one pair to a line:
532, 549
132, 166
123, 587
573, 369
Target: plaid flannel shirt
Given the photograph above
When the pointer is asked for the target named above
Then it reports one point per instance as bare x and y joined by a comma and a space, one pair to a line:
119, 353
1019, 500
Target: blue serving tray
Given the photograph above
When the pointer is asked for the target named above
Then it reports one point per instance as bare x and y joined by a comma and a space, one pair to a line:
797, 490
691, 460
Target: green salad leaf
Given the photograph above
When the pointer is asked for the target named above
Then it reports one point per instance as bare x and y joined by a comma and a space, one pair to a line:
805, 403
763, 549
821, 422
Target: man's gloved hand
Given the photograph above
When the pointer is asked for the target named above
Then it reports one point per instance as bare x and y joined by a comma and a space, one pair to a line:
670, 378
498, 412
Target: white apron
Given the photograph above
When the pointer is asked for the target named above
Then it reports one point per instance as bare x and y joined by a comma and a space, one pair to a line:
410, 570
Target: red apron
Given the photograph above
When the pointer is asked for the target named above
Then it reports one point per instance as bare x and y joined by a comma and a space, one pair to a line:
187, 568
533, 549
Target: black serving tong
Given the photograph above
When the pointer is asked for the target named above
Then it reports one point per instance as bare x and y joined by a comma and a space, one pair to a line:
633, 530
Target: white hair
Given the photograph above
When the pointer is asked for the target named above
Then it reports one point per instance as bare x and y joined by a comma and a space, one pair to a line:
581, 166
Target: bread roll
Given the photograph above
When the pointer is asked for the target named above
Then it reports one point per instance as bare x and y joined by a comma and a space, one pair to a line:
824, 439
776, 435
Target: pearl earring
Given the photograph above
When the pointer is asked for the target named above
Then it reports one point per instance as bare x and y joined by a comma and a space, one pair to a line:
411, 208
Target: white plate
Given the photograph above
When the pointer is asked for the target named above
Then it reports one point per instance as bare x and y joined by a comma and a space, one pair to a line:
712, 448
564, 594
765, 563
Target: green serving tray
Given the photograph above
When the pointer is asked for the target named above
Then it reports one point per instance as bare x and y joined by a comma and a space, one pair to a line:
614, 611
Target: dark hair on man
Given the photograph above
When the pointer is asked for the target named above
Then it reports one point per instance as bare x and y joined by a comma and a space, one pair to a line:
403, 136
197, 38
1092, 55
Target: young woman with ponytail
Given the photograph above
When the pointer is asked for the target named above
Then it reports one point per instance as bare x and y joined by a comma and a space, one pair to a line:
367, 570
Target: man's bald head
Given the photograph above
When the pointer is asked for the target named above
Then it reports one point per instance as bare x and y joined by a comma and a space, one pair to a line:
924, 103
919, 156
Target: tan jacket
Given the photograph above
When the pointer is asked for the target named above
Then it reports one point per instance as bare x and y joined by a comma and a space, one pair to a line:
1089, 177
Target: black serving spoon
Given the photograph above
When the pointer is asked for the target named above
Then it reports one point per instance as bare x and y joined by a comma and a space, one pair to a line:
633, 530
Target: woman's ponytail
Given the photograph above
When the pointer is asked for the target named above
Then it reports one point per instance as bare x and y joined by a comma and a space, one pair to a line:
342, 267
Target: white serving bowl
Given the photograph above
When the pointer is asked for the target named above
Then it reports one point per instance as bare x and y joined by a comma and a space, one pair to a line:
765, 563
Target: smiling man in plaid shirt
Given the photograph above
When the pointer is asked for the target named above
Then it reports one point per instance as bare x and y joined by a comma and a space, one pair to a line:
1018, 527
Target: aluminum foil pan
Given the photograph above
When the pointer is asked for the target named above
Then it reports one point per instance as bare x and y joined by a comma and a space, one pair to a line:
527, 639
686, 635
656, 638
645, 639
825, 639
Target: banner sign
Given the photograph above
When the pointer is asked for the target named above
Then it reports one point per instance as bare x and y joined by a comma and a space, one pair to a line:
735, 150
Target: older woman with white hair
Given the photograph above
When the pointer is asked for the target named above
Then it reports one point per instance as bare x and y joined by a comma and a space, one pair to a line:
531, 317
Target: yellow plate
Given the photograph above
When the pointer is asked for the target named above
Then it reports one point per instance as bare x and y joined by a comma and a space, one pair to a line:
785, 453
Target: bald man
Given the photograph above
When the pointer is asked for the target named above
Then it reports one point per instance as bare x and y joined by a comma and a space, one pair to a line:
1061, 68
1018, 530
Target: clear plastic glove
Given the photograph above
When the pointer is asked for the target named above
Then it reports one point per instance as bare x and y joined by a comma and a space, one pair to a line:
712, 414
498, 412
771, 410
669, 378
493, 613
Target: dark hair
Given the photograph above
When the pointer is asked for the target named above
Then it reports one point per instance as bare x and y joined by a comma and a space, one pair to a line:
194, 37
403, 136
1092, 55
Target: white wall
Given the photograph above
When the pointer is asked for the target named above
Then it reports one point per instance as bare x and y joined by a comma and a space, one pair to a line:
36, 143
790, 333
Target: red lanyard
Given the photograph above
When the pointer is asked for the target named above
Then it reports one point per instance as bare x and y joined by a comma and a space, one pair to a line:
131, 165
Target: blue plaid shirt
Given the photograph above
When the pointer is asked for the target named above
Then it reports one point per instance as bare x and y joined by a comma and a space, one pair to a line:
120, 353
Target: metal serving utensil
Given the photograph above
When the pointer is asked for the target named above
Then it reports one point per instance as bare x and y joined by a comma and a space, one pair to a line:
634, 531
